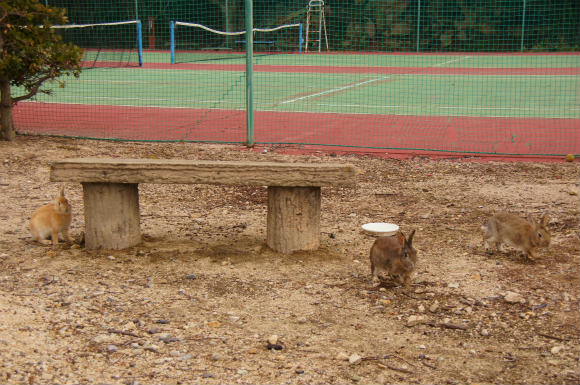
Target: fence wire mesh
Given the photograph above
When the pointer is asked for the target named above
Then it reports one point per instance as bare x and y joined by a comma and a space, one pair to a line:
457, 76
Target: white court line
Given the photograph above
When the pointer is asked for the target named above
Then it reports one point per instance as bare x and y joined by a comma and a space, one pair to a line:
453, 61
439, 107
335, 90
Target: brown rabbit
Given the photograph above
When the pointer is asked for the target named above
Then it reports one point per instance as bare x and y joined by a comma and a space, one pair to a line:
525, 235
52, 219
394, 255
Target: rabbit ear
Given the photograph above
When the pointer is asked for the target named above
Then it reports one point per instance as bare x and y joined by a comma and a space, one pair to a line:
544, 220
410, 239
61, 192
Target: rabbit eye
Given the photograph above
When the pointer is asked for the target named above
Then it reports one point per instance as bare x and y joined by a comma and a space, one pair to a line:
540, 235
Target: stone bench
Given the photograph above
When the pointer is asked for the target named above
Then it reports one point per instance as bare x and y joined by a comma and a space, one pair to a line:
111, 197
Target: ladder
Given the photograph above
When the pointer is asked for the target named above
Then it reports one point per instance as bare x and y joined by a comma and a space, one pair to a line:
315, 24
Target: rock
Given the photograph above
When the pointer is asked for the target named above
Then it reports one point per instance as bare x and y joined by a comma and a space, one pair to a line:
556, 349
273, 339
512, 297
103, 338
190, 276
164, 337
114, 348
341, 356
174, 353
215, 357
434, 307
354, 358
207, 375
415, 320
356, 378
421, 309
299, 371
484, 332
242, 372
453, 285
213, 324
153, 330
301, 320
274, 347
111, 258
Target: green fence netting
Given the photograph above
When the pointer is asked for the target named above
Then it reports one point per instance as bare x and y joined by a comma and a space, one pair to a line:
452, 76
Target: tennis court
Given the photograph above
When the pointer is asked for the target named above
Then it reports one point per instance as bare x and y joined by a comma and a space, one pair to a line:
521, 104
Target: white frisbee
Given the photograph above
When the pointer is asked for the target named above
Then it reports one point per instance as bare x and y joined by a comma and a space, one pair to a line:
381, 228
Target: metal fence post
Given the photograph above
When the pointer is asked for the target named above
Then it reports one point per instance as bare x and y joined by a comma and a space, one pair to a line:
249, 74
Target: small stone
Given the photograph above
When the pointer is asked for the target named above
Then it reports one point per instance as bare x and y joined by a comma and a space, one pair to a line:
453, 285
434, 307
242, 372
274, 347
484, 332
299, 371
135, 345
103, 338
153, 330
301, 320
162, 322
556, 349
415, 320
164, 337
114, 349
253, 351
421, 309
207, 375
234, 318
356, 378
512, 297
190, 276
354, 358
213, 324
215, 357
341, 356
273, 339
111, 258
385, 301
423, 347
174, 353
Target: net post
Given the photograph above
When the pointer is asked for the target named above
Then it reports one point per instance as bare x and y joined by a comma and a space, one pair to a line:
140, 43
523, 26
172, 40
300, 40
249, 75
418, 23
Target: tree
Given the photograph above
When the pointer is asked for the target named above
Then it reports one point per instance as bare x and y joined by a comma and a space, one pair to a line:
30, 54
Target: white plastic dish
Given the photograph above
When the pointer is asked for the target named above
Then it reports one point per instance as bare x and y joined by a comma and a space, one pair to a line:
381, 229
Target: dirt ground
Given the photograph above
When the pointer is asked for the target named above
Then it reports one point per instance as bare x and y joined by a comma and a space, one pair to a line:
198, 301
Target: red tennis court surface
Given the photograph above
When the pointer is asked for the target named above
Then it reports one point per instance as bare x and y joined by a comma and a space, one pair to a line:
537, 137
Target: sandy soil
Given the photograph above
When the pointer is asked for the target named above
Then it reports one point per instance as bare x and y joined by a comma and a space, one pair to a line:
199, 299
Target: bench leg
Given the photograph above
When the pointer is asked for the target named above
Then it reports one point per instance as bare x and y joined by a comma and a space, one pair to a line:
293, 218
111, 215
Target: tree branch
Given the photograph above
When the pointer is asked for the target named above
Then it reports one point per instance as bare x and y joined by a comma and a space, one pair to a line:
33, 91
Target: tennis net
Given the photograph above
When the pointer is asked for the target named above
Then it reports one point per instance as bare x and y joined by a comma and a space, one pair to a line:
192, 42
113, 44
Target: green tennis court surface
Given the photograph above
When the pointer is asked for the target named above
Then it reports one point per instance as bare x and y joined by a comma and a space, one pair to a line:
323, 99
